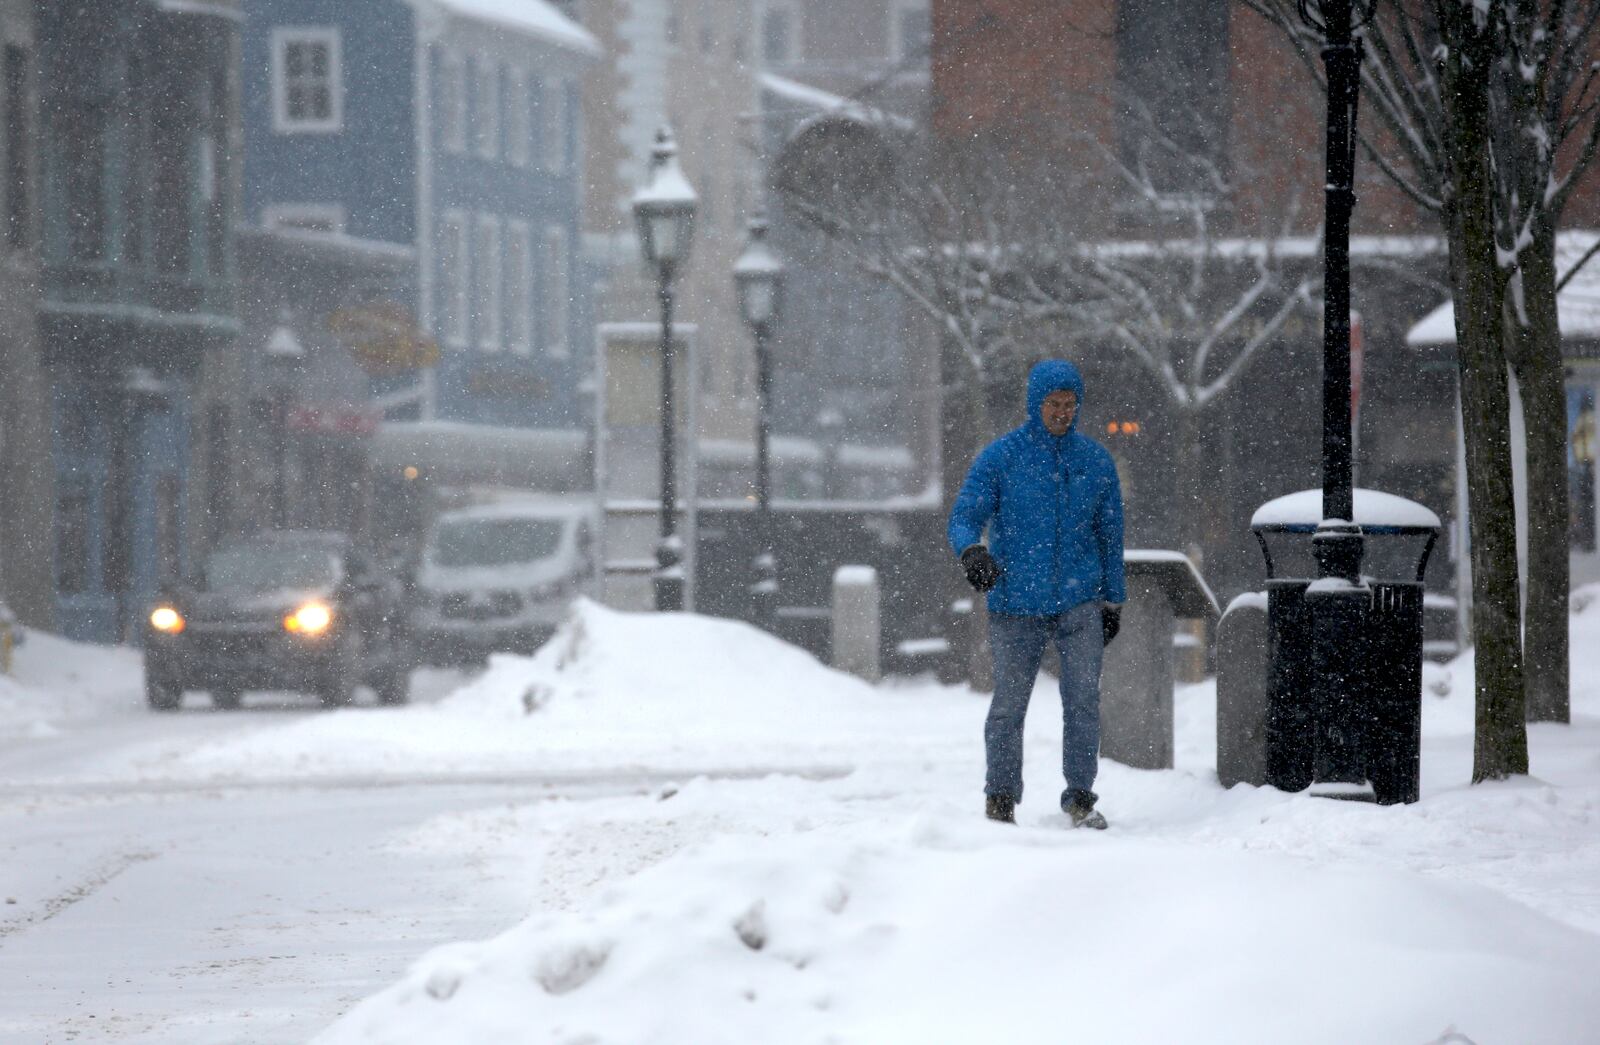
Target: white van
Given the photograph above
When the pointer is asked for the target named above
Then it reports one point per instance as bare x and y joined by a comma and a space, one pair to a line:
498, 578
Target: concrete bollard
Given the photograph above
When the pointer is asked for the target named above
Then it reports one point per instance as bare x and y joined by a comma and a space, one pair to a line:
1242, 691
1136, 681
856, 628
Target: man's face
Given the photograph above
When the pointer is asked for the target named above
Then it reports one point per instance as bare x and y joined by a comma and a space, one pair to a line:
1058, 410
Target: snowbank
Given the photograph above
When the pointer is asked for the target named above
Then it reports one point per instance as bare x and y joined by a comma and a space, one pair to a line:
615, 691
848, 920
55, 680
881, 908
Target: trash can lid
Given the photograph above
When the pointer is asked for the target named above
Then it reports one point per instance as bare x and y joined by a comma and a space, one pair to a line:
1376, 512
1188, 592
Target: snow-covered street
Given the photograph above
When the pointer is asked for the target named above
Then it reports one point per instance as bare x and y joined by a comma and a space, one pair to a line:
678, 830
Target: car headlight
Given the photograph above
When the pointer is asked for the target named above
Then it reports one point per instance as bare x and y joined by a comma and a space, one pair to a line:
313, 618
166, 619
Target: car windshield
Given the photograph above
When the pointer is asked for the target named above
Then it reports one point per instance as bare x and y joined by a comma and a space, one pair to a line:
270, 568
496, 542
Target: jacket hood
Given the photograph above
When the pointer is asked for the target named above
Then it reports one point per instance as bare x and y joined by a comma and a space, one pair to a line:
1052, 375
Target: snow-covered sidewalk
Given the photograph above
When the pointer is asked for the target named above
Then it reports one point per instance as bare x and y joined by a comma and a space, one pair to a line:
881, 907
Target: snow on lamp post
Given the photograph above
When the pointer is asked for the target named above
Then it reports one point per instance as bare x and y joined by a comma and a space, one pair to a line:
664, 212
758, 275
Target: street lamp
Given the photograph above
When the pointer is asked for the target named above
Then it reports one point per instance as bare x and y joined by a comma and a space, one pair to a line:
664, 212
1336, 608
758, 275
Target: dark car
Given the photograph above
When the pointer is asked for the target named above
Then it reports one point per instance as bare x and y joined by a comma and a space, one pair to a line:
287, 609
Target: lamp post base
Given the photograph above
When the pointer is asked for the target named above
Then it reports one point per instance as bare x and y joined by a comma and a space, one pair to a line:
764, 592
669, 578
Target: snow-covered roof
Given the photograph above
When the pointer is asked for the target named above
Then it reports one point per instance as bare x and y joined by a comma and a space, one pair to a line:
1577, 305
1374, 510
535, 18
829, 104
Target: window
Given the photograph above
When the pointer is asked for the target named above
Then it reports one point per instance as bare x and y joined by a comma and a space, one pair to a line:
486, 253
452, 102
307, 81
486, 126
778, 33
519, 287
557, 295
309, 217
83, 172
72, 543
519, 119
1173, 63
911, 34
553, 128
452, 293
17, 202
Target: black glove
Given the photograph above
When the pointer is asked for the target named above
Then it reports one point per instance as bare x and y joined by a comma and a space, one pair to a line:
1110, 622
983, 573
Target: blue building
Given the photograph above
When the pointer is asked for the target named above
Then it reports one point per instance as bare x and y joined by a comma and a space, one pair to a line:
136, 110
451, 127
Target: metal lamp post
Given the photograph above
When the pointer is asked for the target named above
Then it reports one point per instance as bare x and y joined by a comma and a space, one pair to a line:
1336, 602
664, 212
1338, 541
758, 275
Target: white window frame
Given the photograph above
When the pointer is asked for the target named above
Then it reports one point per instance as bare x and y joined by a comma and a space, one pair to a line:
519, 118
452, 98
303, 216
455, 305
557, 285
553, 129
486, 107
519, 287
283, 37
488, 247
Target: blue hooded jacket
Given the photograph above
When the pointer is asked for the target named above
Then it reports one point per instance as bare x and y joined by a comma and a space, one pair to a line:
1053, 506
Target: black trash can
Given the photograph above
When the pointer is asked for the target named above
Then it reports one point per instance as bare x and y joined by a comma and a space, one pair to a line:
1370, 732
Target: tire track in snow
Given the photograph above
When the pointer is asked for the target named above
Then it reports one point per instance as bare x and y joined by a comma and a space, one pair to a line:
85, 888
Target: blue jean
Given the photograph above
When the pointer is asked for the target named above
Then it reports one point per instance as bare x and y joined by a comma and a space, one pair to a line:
1018, 646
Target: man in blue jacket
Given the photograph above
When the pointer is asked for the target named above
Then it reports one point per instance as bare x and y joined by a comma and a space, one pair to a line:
1052, 503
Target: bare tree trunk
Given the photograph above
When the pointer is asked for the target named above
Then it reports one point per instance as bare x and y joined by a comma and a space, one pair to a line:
1534, 349
1501, 747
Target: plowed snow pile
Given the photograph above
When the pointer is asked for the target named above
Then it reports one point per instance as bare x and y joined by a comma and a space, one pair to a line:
615, 690
880, 908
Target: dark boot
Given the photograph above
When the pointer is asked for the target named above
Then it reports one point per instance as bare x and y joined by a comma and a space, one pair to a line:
1079, 806
1000, 807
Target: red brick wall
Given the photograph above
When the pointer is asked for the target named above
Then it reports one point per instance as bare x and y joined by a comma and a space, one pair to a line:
1039, 75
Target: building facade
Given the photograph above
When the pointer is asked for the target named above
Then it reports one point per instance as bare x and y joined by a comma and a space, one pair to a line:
27, 476
450, 128
856, 368
137, 118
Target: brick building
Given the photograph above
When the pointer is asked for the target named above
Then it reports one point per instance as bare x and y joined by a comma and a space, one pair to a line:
1218, 117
